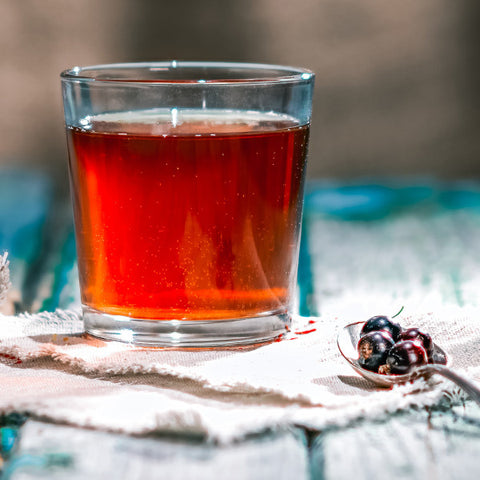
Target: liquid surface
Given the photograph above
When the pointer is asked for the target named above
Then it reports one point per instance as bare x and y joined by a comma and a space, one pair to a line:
188, 214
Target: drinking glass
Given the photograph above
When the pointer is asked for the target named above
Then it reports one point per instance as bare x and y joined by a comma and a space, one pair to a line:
187, 188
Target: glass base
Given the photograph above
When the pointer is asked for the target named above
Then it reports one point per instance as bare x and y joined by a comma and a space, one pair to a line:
185, 333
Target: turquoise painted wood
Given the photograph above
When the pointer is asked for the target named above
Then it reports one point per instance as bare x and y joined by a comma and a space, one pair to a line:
26, 204
60, 452
438, 443
396, 237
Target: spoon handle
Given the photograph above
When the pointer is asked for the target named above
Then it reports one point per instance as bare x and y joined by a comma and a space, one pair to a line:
472, 390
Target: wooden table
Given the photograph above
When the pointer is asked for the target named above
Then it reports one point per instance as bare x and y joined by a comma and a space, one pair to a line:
389, 240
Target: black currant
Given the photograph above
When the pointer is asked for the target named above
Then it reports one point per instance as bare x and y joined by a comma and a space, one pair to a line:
373, 348
417, 335
404, 356
381, 322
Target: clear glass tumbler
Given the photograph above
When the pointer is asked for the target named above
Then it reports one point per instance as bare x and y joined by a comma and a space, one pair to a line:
187, 186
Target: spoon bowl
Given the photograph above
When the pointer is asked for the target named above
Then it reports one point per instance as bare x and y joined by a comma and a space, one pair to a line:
347, 342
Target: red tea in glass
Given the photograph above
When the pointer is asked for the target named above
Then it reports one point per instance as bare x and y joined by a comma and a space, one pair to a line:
187, 187
197, 220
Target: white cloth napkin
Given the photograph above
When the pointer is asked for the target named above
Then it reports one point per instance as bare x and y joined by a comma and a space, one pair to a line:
49, 369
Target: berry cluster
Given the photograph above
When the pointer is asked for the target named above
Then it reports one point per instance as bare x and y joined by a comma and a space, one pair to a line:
384, 347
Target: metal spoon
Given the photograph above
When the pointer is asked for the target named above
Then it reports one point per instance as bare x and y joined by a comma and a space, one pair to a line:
347, 344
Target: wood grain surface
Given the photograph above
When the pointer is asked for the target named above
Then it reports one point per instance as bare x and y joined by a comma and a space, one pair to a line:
417, 246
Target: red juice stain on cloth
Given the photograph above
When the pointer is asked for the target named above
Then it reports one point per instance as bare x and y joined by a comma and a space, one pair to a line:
288, 336
10, 357
304, 332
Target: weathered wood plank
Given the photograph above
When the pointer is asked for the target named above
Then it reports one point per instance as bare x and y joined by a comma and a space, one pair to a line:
25, 203
437, 444
58, 286
375, 248
99, 455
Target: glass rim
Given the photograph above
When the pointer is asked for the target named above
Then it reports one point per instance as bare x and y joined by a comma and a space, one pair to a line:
283, 73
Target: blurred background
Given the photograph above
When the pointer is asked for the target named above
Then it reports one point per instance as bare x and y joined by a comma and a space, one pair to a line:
396, 87
394, 130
